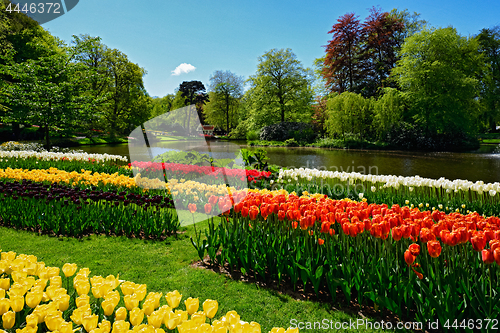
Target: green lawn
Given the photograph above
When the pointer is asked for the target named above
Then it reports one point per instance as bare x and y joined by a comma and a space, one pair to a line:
165, 266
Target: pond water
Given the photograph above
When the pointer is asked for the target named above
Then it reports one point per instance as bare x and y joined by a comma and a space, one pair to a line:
483, 164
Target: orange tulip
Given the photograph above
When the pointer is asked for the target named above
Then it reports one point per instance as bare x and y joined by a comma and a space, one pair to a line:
478, 241
253, 212
321, 241
409, 258
192, 208
487, 256
434, 248
208, 208
426, 235
496, 255
414, 249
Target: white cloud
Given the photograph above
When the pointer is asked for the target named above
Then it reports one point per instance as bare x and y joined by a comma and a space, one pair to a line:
183, 68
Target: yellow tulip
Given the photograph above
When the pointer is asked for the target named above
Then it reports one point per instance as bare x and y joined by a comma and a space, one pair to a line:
148, 307
127, 287
105, 326
84, 272
120, 326
232, 317
17, 303
136, 316
31, 268
32, 320
27, 329
82, 287
17, 289
97, 290
40, 266
40, 284
192, 305
5, 283
62, 302
17, 274
121, 314
173, 321
205, 328
183, 315
56, 281
140, 291
277, 330
131, 301
220, 329
187, 326
198, 318
79, 313
156, 319
173, 299
8, 256
210, 308
53, 320
90, 322
4, 305
82, 300
108, 306
52, 271
8, 319
292, 330
66, 327
255, 327
2, 293
69, 269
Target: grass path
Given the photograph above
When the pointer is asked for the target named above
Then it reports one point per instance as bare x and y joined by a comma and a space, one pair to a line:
165, 266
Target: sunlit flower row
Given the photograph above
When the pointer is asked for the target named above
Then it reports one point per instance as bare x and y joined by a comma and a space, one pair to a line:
32, 297
387, 181
378, 220
51, 156
54, 175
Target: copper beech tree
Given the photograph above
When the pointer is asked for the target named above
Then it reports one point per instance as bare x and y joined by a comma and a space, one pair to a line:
360, 56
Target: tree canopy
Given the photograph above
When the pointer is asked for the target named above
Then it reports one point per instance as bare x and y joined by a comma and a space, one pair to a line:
281, 89
438, 72
226, 90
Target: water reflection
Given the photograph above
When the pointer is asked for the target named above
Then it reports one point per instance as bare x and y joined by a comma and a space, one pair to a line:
483, 164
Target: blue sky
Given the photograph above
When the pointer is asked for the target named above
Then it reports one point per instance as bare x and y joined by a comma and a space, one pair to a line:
160, 35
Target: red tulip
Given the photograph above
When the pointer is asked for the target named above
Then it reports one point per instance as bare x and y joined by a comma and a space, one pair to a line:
253, 212
281, 215
208, 208
294, 224
409, 258
434, 248
478, 241
414, 249
487, 256
397, 233
426, 235
321, 241
496, 255
192, 208
244, 211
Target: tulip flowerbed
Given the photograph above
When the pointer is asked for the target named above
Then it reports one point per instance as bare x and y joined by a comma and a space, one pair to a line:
437, 265
193, 172
457, 195
36, 298
63, 210
33, 160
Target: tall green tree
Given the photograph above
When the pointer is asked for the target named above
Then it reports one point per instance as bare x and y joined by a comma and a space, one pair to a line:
125, 105
281, 89
489, 45
47, 91
348, 113
194, 92
388, 111
438, 73
225, 91
99, 81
